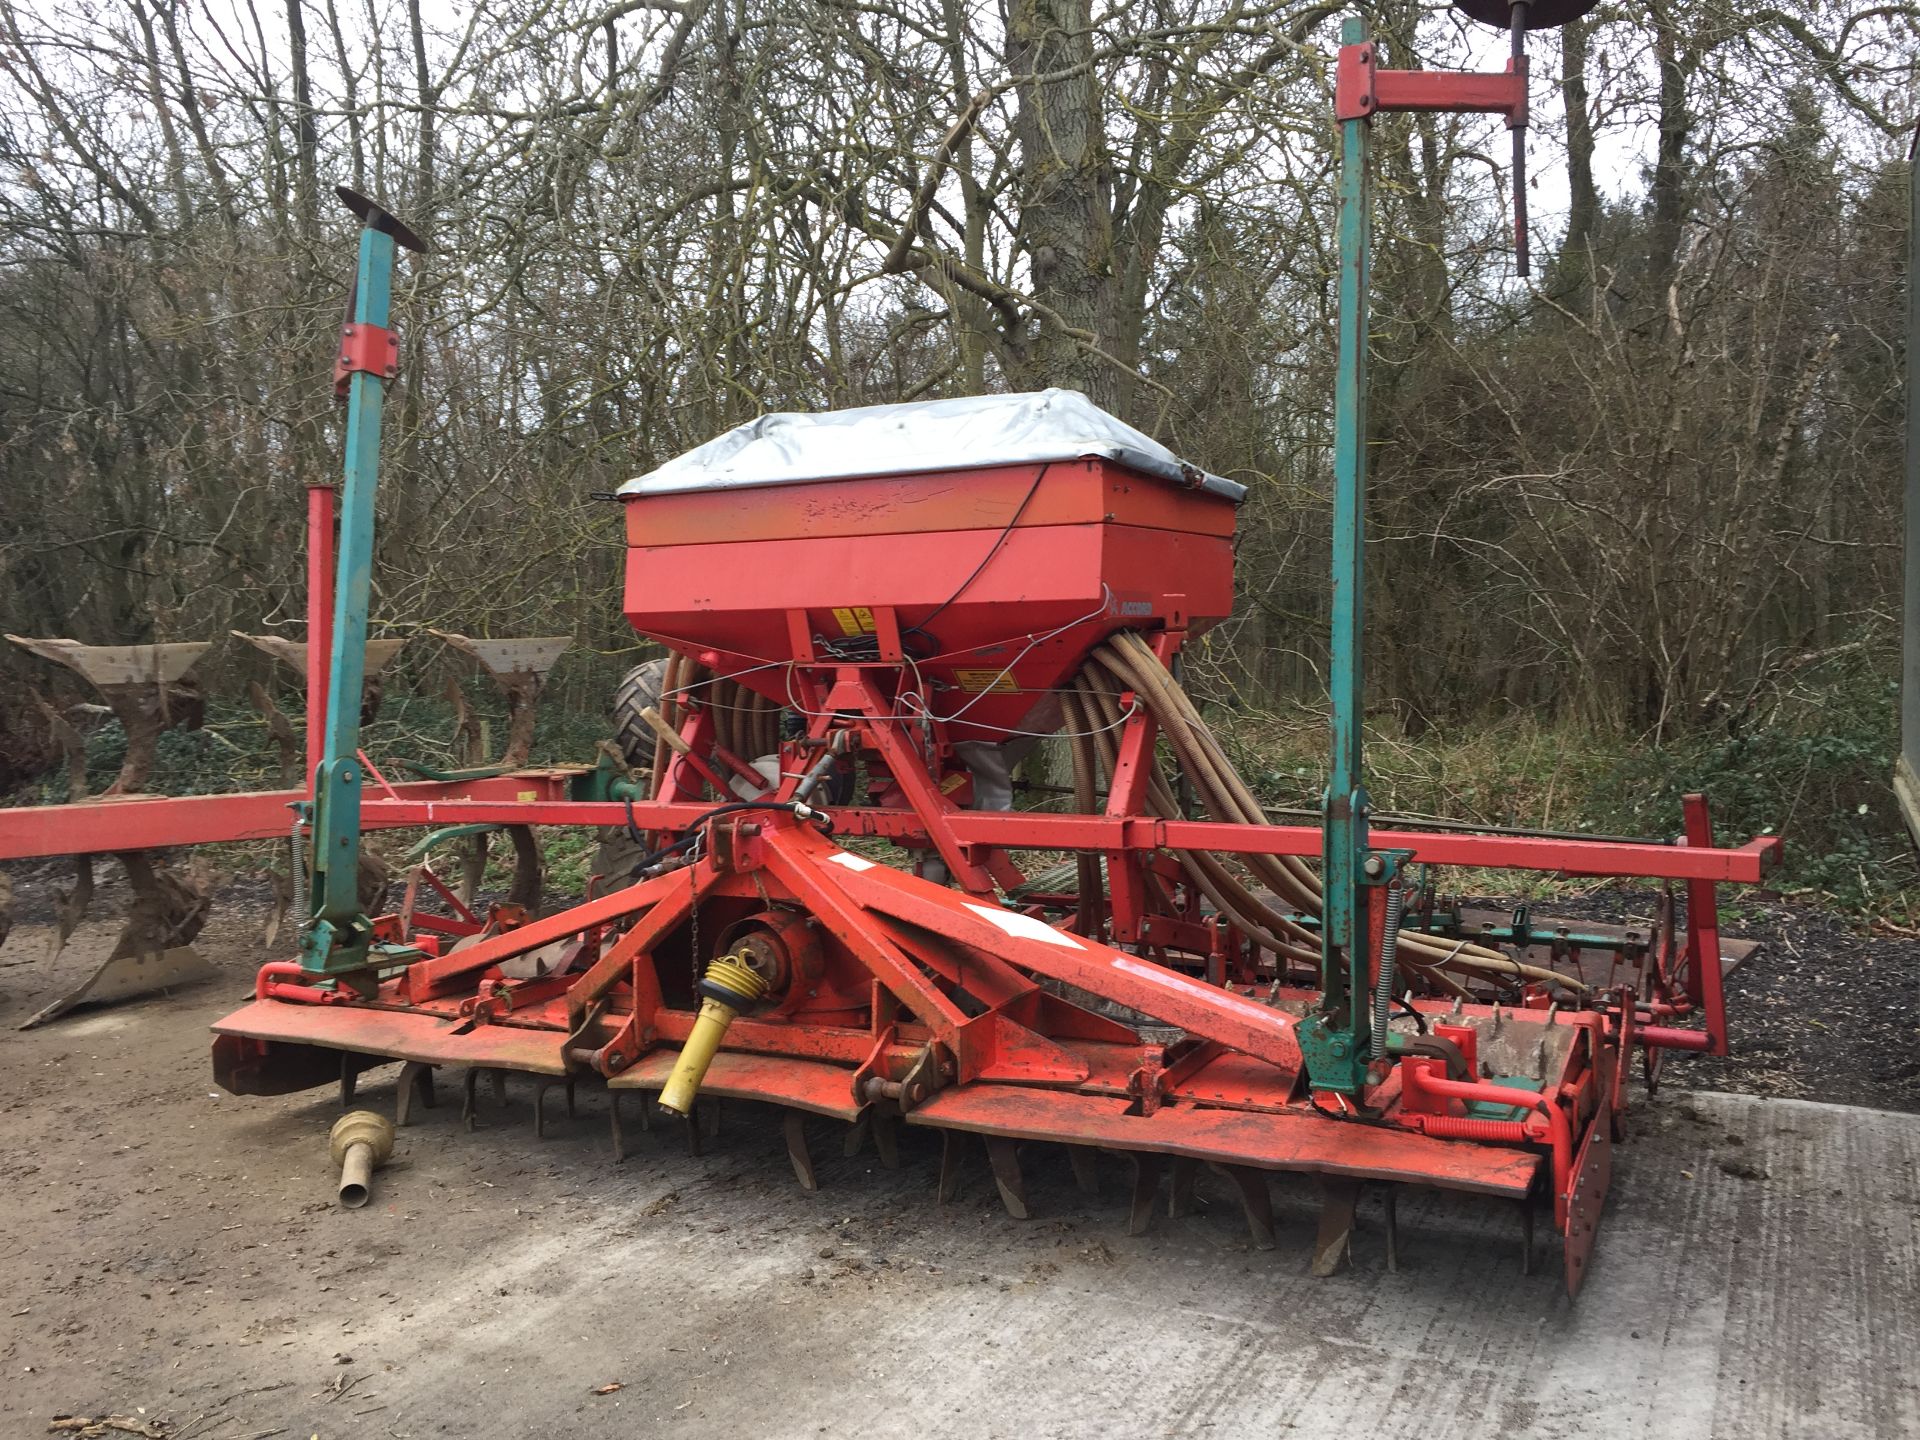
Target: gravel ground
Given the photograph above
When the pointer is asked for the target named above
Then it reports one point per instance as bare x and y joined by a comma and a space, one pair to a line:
175, 1257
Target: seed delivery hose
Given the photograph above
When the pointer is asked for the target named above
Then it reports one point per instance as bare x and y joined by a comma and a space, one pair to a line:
1127, 663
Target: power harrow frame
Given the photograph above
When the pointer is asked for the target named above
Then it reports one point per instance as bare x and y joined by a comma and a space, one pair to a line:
759, 950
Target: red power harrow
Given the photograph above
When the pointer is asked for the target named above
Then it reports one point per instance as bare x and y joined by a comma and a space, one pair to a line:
1145, 999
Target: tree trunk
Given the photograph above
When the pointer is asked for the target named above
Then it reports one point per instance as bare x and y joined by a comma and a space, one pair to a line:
1669, 168
1066, 182
1583, 201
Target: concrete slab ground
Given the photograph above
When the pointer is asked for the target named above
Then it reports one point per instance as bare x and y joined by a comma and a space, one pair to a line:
170, 1247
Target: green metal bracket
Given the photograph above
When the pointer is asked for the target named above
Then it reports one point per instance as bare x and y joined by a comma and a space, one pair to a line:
428, 772
337, 938
608, 780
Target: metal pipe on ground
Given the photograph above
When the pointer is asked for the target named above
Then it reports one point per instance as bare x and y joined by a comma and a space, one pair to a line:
360, 1142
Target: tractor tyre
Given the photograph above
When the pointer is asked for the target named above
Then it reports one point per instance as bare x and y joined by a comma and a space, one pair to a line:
639, 691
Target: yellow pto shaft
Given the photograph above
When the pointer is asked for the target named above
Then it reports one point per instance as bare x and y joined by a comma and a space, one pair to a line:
729, 988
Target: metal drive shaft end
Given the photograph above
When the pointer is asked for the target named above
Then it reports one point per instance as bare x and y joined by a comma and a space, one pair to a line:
730, 987
361, 1142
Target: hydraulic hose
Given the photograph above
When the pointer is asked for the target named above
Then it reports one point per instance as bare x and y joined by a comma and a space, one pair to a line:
1126, 662
1080, 727
1248, 914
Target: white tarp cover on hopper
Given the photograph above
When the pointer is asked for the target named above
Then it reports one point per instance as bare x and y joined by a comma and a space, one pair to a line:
790, 448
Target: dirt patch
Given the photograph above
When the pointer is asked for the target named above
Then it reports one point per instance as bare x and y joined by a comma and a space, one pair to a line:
174, 1257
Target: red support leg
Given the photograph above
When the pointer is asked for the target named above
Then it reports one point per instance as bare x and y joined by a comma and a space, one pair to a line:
1705, 980
1127, 795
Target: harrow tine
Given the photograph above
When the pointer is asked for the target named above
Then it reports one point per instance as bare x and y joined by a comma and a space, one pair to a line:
470, 1096
546, 1084
1390, 1214
1004, 1156
709, 1116
1085, 1173
1526, 1236
856, 1136
349, 1079
1255, 1200
1146, 1191
1333, 1245
416, 1082
691, 1122
795, 1126
618, 1134
952, 1153
886, 1141
1181, 1196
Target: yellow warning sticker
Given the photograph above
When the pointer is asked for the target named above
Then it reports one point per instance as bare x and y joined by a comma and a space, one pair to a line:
1000, 682
953, 782
853, 619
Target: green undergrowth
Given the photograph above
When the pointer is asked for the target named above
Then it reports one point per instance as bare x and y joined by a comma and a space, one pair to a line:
233, 749
1815, 769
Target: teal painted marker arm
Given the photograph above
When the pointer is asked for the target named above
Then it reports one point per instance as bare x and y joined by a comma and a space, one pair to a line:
1334, 1041
336, 939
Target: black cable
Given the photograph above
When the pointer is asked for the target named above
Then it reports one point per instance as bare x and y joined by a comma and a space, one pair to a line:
1349, 1118
920, 627
820, 821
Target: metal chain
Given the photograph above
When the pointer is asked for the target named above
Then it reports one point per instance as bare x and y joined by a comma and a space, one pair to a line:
693, 944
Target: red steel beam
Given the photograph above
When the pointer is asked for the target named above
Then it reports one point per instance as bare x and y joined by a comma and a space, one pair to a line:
1362, 89
1485, 92
538, 798
1747, 864
143, 822
1704, 978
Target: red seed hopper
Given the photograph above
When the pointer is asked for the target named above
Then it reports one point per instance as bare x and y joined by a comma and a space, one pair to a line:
985, 546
